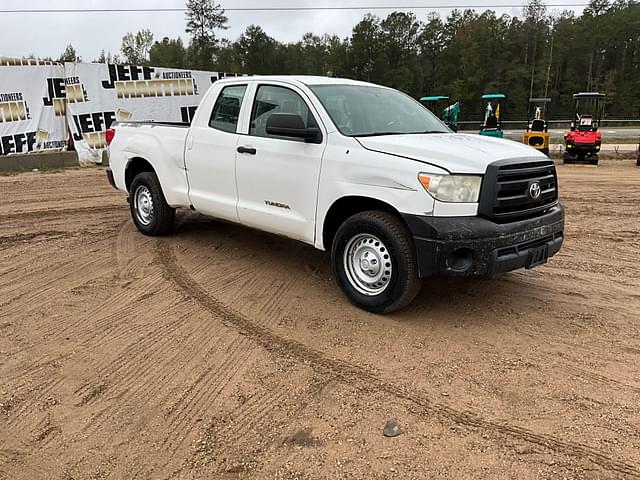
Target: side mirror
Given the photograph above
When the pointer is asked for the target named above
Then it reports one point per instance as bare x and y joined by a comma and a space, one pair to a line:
291, 125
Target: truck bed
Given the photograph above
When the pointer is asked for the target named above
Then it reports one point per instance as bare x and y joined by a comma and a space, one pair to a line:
162, 144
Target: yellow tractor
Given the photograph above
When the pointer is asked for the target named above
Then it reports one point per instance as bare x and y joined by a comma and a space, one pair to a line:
537, 134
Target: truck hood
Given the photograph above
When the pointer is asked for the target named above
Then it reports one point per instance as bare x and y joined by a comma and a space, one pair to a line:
457, 153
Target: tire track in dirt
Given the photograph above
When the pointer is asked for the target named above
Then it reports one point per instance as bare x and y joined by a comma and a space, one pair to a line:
601, 379
23, 416
167, 373
65, 275
216, 378
127, 252
206, 390
45, 430
105, 320
279, 298
238, 351
45, 287
203, 391
32, 275
39, 365
87, 236
97, 329
247, 416
224, 362
8, 240
17, 462
238, 281
123, 377
242, 419
49, 213
353, 374
135, 355
249, 289
137, 361
84, 329
139, 358
19, 259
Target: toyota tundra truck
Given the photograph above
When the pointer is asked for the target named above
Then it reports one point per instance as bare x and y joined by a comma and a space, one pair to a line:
356, 169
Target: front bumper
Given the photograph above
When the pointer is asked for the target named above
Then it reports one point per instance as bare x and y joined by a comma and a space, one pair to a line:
476, 246
577, 149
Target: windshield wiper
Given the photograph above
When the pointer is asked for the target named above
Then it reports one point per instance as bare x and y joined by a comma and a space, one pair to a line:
375, 134
425, 132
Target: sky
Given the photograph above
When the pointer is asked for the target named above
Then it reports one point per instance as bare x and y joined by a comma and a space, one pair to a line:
47, 34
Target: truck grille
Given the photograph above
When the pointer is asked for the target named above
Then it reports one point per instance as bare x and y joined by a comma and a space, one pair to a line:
505, 194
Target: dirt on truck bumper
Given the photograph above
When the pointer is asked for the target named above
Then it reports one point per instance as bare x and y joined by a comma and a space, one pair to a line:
112, 181
476, 246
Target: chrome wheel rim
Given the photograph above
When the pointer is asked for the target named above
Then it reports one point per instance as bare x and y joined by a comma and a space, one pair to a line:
143, 205
367, 264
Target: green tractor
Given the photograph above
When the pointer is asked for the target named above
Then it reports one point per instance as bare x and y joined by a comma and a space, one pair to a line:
449, 115
491, 125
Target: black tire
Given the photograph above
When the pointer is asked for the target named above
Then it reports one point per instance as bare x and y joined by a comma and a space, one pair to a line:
397, 251
594, 160
567, 158
545, 151
159, 218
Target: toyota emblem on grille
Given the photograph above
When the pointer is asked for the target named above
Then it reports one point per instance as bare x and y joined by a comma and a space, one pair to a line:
535, 191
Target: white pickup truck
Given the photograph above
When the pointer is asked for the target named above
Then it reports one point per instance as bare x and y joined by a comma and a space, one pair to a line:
360, 170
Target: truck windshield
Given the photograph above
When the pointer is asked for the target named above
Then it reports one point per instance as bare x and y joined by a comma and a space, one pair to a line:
366, 111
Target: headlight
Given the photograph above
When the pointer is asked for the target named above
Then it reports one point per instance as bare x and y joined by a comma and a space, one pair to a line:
452, 188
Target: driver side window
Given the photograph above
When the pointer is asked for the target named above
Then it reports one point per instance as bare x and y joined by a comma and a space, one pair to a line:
272, 99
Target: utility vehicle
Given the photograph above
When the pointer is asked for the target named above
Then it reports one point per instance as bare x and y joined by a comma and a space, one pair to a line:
493, 108
583, 140
537, 133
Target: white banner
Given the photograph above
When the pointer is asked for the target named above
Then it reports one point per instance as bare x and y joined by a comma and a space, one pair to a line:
100, 94
32, 108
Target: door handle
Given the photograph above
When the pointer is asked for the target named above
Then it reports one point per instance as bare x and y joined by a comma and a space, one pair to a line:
249, 150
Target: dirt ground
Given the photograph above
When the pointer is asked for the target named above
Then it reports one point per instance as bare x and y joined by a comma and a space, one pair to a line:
221, 352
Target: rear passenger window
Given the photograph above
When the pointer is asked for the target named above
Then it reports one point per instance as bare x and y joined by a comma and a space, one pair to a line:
227, 108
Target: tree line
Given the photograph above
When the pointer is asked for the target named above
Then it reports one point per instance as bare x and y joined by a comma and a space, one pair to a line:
468, 53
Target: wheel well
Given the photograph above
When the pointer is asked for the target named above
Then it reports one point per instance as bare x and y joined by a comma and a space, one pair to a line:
345, 207
136, 165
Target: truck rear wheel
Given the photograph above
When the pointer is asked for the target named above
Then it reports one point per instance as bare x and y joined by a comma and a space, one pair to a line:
149, 209
374, 262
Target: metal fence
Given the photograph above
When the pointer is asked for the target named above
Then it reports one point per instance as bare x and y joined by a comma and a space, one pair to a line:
522, 124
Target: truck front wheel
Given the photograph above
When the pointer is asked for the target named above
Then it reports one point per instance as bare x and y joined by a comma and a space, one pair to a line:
374, 262
149, 209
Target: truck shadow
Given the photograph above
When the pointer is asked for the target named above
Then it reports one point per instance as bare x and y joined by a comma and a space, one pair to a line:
441, 299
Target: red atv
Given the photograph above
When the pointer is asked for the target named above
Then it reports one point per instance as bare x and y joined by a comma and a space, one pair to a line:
582, 142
